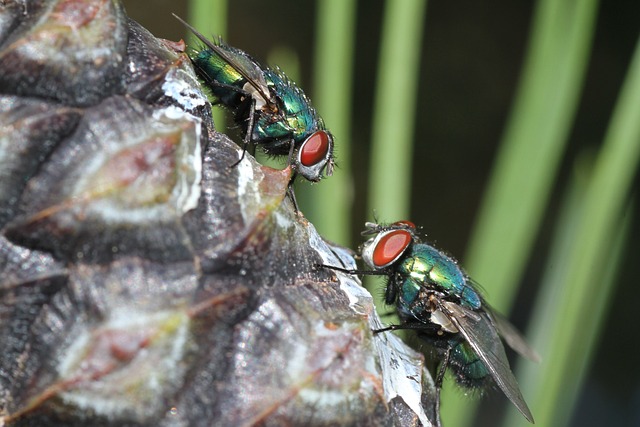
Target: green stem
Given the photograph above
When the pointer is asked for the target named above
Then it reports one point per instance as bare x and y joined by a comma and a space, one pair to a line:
394, 109
529, 156
210, 18
394, 116
329, 208
587, 284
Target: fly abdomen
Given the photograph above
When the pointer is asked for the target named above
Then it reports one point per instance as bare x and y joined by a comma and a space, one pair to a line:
225, 84
468, 370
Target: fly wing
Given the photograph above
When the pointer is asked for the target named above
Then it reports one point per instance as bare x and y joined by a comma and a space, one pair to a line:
242, 63
507, 331
246, 67
479, 331
513, 338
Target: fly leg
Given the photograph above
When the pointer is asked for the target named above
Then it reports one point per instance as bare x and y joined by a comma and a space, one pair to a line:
415, 326
290, 190
292, 194
350, 271
246, 141
439, 380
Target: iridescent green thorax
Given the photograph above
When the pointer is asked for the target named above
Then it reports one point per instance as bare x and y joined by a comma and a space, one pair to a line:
300, 118
425, 266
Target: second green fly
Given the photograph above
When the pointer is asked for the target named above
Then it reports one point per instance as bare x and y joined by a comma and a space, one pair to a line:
270, 109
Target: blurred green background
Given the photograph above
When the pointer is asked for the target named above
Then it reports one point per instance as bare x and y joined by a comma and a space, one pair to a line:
511, 132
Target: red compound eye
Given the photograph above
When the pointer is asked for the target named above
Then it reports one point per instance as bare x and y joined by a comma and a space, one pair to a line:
390, 247
406, 223
314, 149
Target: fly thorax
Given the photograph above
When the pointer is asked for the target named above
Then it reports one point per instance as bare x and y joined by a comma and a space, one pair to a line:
265, 128
470, 298
410, 292
297, 127
278, 129
416, 269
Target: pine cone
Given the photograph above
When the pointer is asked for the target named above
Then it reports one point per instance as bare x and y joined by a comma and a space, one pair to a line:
144, 281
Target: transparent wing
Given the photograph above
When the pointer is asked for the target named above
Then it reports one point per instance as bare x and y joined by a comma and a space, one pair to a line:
246, 67
240, 62
478, 330
507, 331
513, 337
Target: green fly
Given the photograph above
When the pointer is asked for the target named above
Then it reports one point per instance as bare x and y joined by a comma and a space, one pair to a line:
435, 298
270, 109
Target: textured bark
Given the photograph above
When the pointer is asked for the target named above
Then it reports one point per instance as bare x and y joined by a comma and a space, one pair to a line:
144, 281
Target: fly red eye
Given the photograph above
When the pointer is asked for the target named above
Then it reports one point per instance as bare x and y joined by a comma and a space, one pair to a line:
390, 247
314, 149
406, 223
